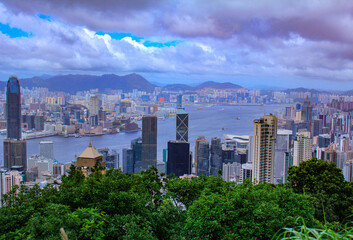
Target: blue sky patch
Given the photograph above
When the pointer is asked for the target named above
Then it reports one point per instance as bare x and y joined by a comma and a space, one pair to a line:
119, 36
13, 32
45, 17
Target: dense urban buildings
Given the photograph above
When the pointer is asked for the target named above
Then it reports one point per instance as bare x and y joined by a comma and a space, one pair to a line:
309, 124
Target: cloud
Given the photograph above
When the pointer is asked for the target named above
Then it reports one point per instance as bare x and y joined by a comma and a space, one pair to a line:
288, 39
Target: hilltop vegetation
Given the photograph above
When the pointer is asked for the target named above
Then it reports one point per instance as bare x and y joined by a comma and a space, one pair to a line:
141, 206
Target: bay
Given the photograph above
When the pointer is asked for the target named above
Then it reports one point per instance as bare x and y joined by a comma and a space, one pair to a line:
214, 121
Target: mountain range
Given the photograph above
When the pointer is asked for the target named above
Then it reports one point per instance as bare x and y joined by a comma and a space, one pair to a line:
74, 83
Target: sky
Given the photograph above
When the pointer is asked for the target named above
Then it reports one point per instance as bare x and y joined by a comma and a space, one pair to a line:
257, 43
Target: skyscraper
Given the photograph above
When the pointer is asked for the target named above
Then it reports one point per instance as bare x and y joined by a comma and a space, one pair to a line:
13, 109
307, 111
136, 146
179, 160
283, 145
216, 156
15, 149
198, 140
149, 141
182, 121
128, 160
182, 125
302, 147
203, 158
180, 101
46, 149
93, 105
264, 140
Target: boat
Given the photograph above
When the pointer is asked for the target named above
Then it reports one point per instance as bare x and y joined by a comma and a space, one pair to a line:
237, 118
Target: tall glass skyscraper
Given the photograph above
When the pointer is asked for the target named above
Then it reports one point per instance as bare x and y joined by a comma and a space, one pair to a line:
182, 125
13, 108
179, 159
149, 141
15, 149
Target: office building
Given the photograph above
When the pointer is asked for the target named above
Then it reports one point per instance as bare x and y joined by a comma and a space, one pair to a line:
283, 145
179, 101
203, 158
13, 109
179, 160
198, 140
15, 149
46, 149
245, 172
39, 122
182, 125
149, 141
288, 161
348, 171
264, 141
125, 106
136, 146
307, 111
43, 166
303, 145
228, 155
128, 160
216, 156
93, 106
15, 154
110, 157
66, 117
231, 172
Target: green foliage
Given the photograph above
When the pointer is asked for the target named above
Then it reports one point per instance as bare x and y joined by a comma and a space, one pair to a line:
332, 195
245, 212
145, 205
306, 233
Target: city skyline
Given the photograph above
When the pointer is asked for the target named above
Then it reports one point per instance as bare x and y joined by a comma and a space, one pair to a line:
256, 45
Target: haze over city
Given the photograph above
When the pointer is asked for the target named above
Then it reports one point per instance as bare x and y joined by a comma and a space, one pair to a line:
256, 44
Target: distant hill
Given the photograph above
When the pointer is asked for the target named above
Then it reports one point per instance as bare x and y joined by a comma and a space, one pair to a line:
217, 85
74, 83
348, 93
178, 87
312, 91
210, 84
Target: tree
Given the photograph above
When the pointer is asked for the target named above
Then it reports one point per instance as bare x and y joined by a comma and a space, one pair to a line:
323, 181
247, 211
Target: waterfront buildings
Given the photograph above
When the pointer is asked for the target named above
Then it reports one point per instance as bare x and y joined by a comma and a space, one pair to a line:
264, 140
149, 141
46, 149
